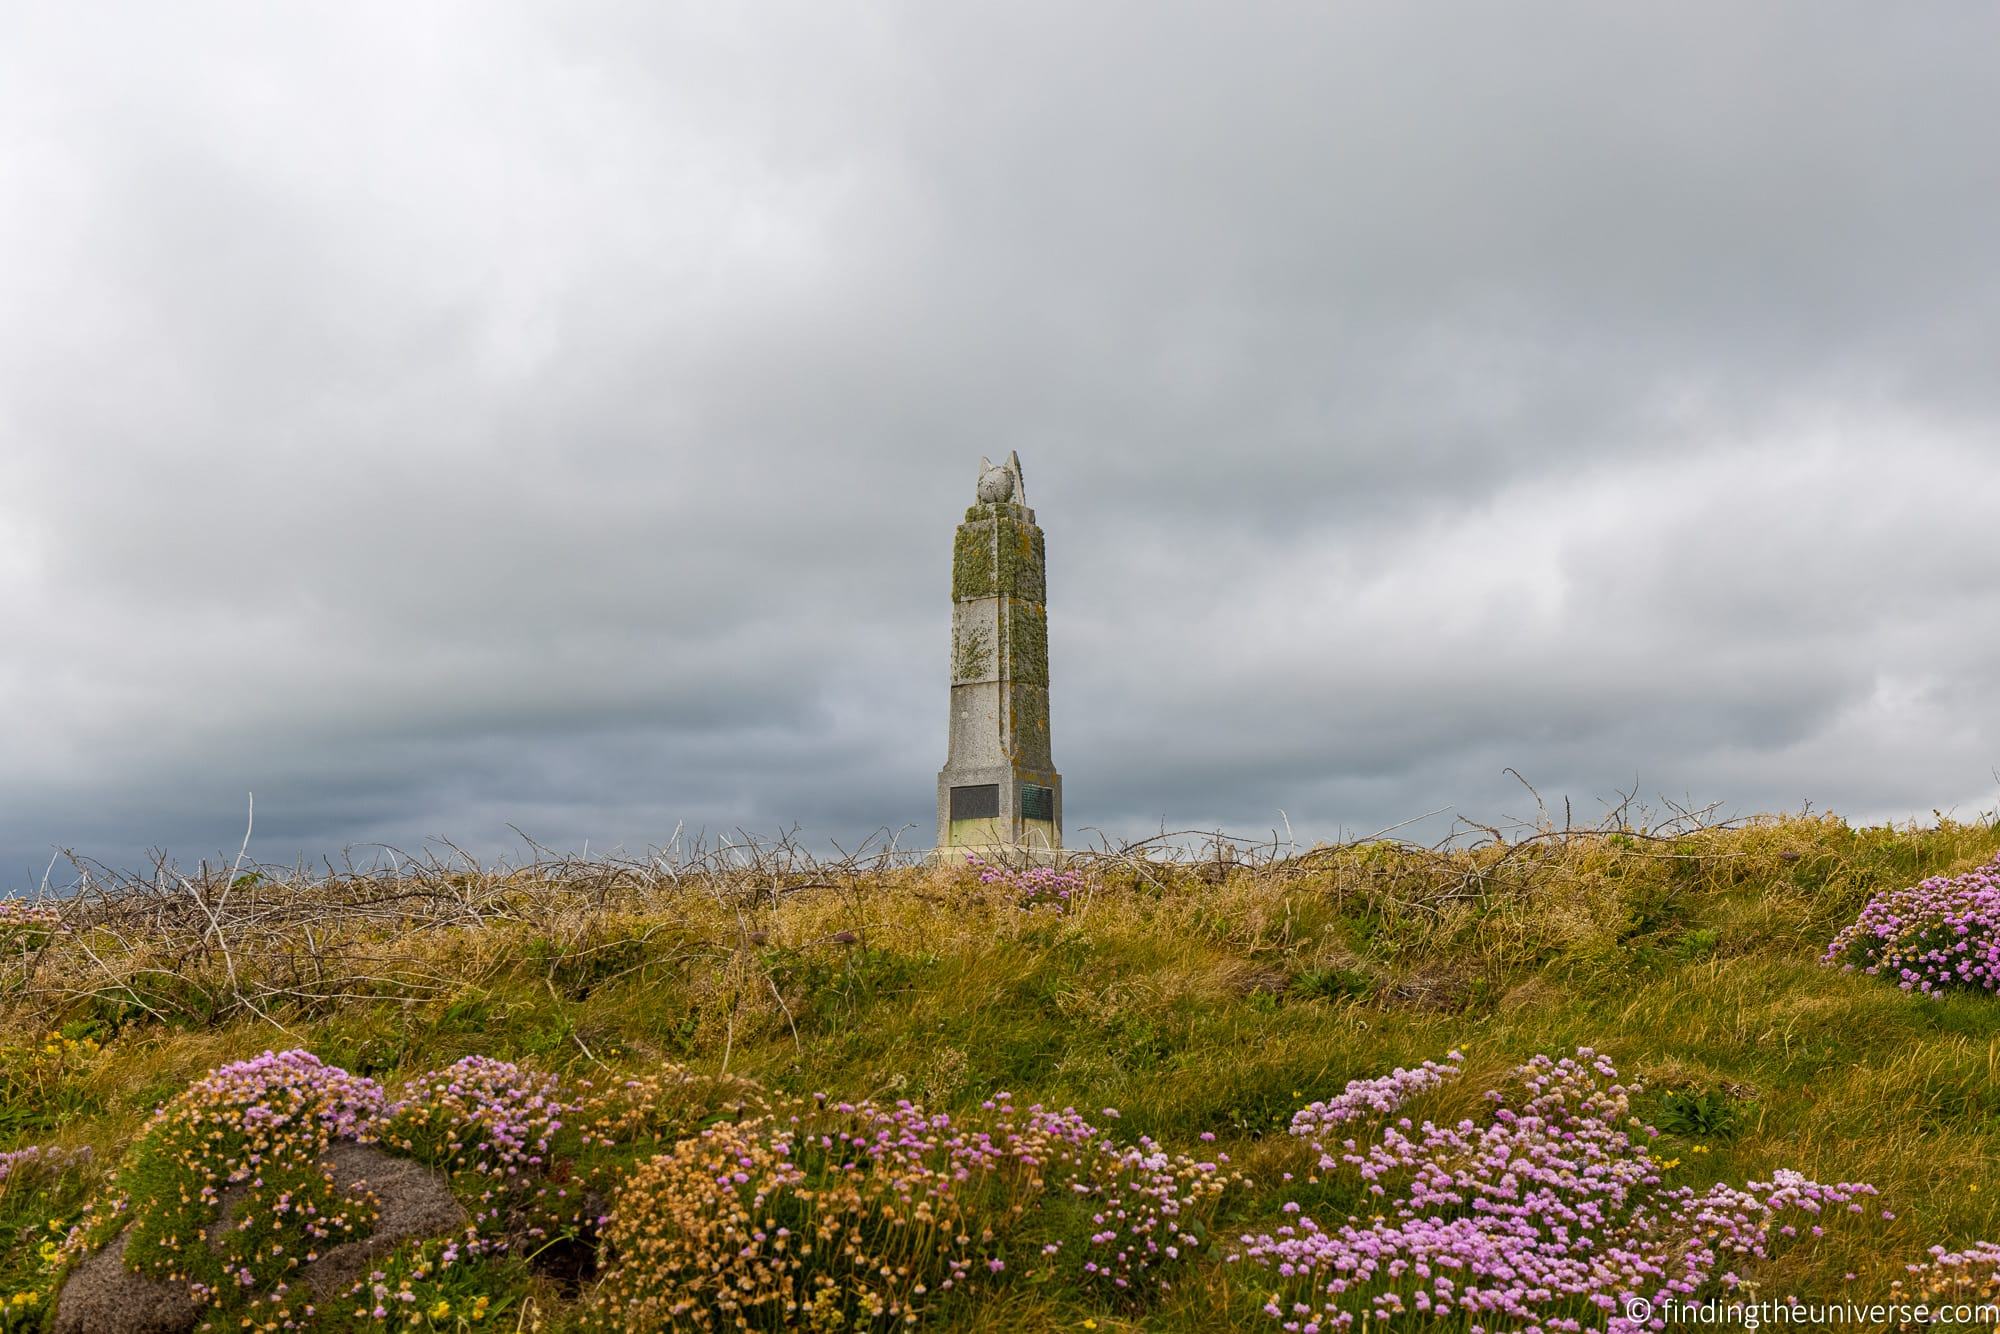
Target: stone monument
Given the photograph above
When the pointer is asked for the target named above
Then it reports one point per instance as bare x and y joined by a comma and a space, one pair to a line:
999, 794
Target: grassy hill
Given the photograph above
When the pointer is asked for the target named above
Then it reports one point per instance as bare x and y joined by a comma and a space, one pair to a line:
1203, 1004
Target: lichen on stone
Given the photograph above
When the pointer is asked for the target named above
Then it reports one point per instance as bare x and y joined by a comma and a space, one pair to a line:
972, 572
1018, 552
1028, 716
1027, 642
971, 654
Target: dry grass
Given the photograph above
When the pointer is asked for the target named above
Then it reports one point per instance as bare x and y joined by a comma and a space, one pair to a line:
1213, 990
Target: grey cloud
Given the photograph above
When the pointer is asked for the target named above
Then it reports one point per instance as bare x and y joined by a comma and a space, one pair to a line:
435, 419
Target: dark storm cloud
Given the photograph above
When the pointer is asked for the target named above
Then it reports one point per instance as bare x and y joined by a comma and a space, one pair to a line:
435, 419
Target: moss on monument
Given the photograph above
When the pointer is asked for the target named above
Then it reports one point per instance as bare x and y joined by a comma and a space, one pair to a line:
972, 573
1027, 642
1028, 716
971, 654
1018, 553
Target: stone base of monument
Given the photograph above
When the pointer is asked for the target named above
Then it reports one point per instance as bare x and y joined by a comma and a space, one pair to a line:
1015, 855
1002, 813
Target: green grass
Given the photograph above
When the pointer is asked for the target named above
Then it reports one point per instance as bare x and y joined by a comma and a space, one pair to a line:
1191, 1005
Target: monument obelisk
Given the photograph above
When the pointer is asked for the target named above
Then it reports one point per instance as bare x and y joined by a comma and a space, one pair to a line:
999, 794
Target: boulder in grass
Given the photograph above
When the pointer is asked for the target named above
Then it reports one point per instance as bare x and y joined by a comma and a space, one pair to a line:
104, 1297
415, 1203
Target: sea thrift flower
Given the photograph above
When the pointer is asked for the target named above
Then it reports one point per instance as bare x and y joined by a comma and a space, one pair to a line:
498, 1123
1549, 1215
884, 1207
254, 1133
1939, 935
31, 919
1042, 888
1971, 1276
1364, 1099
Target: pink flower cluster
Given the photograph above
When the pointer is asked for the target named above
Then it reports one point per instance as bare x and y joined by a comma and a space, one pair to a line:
1364, 1099
1143, 1200
269, 1093
1137, 1194
1970, 1275
28, 915
1938, 935
1037, 887
249, 1142
1982, 1259
491, 1118
1550, 1215
1145, 1203
259, 1128
40, 1157
499, 1117
889, 1203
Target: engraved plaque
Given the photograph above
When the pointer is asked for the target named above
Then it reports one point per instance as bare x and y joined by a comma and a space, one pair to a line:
1037, 802
980, 801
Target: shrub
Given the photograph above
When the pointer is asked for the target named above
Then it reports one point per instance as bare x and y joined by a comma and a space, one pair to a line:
1938, 935
1548, 1215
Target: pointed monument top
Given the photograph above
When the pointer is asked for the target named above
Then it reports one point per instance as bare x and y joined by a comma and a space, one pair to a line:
1002, 483
1020, 484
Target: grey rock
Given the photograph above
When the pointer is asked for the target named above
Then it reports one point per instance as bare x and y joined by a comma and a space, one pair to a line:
102, 1296
415, 1202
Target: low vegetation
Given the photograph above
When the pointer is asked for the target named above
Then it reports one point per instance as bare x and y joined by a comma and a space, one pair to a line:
1496, 1086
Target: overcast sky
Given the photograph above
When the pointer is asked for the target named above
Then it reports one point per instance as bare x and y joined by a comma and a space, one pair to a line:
433, 417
